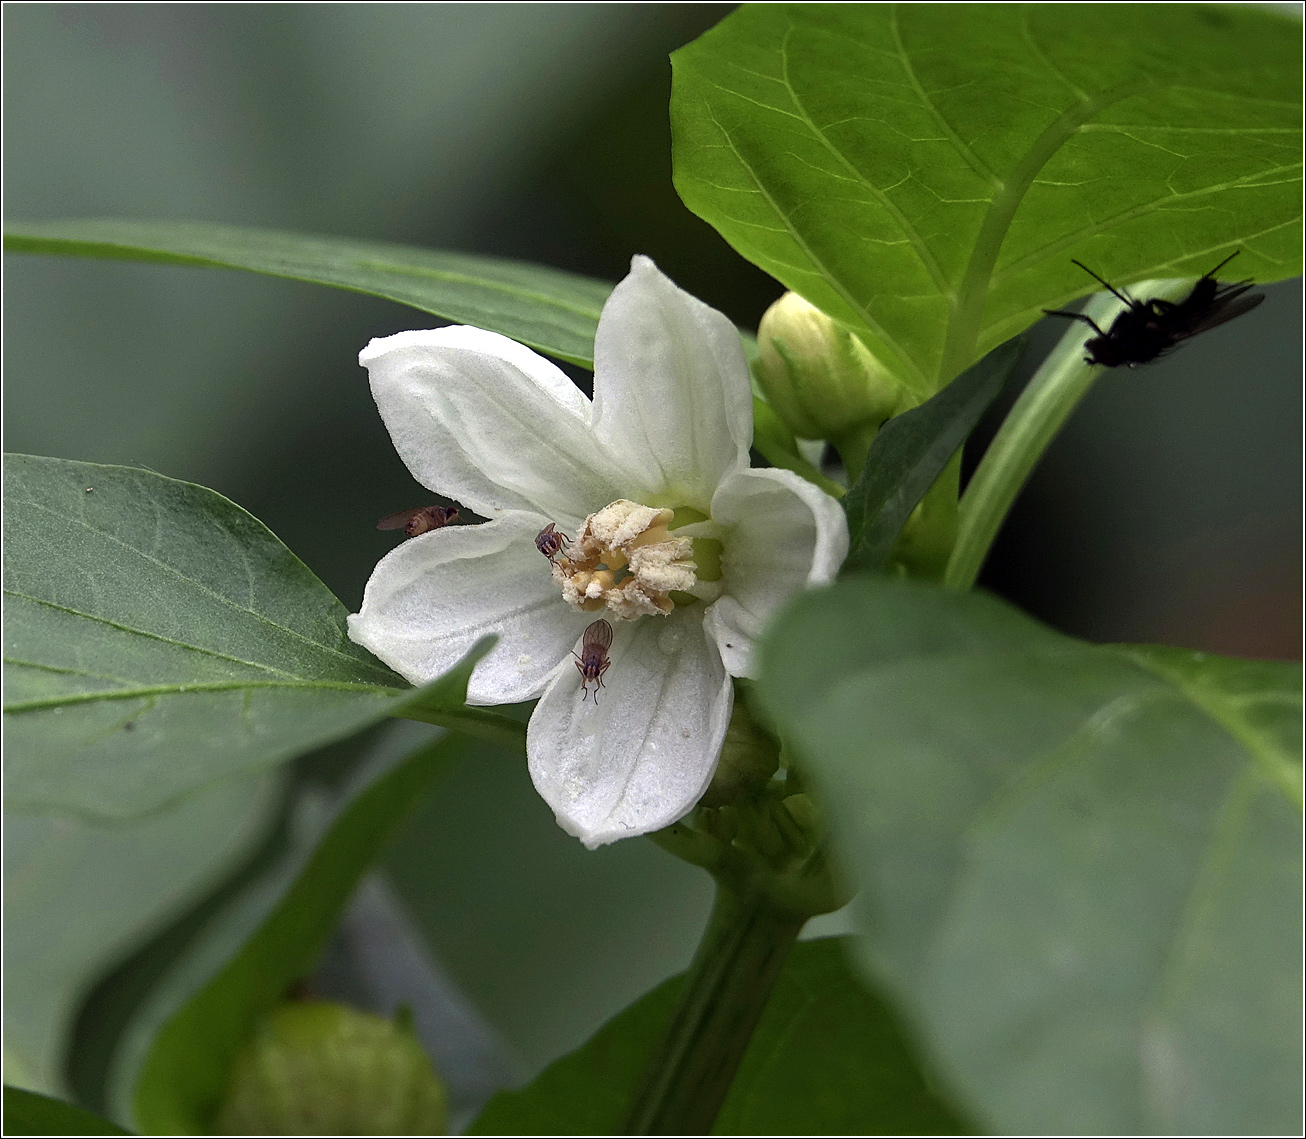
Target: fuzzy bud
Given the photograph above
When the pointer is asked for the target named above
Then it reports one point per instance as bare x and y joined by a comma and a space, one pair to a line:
820, 379
318, 1068
749, 757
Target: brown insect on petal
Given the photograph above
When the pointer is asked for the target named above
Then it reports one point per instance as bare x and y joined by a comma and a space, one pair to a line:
418, 520
593, 660
550, 541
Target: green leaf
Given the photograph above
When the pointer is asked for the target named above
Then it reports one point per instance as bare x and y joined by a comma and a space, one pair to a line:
78, 896
924, 173
1079, 865
548, 309
911, 450
27, 1113
184, 1075
158, 638
826, 1059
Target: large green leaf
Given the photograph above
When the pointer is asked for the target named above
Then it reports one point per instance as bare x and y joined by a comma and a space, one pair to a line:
1079, 865
548, 309
827, 1058
184, 1074
26, 1113
158, 638
925, 172
553, 311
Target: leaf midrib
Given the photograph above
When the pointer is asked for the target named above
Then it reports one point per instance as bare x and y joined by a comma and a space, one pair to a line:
966, 320
289, 676
289, 264
64, 520
191, 689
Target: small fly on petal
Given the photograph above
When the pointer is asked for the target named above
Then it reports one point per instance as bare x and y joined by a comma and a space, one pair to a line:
418, 520
550, 541
593, 661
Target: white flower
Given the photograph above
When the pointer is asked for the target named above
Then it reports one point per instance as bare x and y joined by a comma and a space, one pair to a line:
673, 539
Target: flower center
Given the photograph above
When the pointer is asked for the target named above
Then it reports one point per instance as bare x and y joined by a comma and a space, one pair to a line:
625, 559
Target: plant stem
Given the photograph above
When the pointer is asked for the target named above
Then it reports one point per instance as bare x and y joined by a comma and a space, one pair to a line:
738, 961
1060, 383
853, 446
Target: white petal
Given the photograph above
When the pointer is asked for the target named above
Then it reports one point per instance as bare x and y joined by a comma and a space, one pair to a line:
672, 398
434, 596
642, 756
489, 423
735, 631
784, 535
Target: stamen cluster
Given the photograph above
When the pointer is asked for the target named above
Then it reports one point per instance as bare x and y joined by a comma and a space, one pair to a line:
626, 560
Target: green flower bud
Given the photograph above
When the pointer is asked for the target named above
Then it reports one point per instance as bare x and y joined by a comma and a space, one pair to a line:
749, 757
820, 379
318, 1068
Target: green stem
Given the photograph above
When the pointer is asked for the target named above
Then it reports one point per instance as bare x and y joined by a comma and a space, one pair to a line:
747, 940
1047, 401
853, 446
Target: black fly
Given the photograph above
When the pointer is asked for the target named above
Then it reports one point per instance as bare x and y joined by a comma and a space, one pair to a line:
1148, 329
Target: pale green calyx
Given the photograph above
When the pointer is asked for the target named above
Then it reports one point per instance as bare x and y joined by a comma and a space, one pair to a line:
820, 379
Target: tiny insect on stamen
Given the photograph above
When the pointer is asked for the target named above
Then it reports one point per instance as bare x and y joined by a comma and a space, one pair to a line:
1150, 329
418, 520
550, 541
592, 661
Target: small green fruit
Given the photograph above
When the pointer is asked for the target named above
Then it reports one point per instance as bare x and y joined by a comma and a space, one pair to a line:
318, 1068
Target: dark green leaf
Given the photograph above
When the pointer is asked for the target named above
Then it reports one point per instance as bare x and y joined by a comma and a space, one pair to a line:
27, 1113
184, 1075
1079, 865
548, 309
925, 172
826, 1059
909, 452
158, 638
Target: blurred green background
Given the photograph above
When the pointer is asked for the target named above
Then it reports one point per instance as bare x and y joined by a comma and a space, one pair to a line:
1169, 509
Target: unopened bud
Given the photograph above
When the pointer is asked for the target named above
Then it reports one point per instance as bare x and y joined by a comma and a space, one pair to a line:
749, 757
318, 1068
820, 379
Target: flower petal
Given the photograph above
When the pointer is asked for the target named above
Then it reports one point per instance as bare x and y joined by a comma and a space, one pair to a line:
434, 596
642, 756
489, 423
784, 535
672, 398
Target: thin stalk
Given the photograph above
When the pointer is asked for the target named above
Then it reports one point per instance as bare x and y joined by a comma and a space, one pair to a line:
1051, 395
853, 446
727, 986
